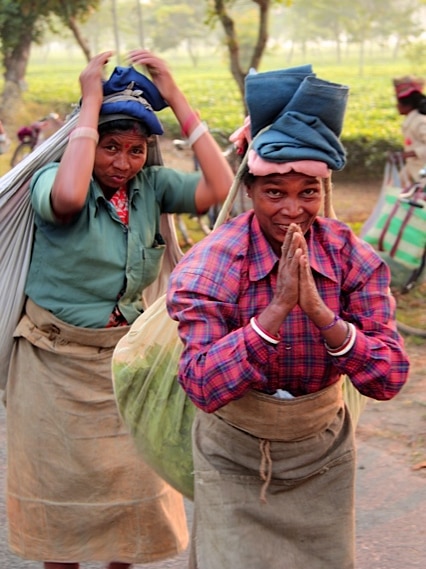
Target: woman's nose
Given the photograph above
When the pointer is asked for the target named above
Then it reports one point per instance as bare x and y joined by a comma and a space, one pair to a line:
121, 161
292, 208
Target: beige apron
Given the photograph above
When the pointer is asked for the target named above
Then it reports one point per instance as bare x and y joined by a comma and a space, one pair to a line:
76, 488
274, 484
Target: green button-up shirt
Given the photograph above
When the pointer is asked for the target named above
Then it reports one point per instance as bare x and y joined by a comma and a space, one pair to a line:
77, 270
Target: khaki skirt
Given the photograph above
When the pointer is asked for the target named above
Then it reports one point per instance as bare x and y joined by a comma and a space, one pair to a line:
274, 484
76, 488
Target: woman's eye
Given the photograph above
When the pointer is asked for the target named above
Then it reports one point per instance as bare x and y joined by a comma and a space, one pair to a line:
138, 151
310, 192
273, 192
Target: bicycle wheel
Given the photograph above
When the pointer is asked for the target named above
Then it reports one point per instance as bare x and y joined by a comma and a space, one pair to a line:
21, 151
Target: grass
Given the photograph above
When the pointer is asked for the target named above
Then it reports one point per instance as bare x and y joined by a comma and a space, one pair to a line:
411, 307
371, 126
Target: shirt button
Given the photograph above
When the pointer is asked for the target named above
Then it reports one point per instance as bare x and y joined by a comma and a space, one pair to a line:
288, 346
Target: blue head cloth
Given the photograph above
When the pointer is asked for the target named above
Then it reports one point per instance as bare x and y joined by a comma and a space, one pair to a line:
305, 119
128, 92
268, 93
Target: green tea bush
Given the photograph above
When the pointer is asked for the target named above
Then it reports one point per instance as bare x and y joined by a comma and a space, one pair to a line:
372, 123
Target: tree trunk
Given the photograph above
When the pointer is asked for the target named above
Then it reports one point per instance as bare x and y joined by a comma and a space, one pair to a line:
15, 65
82, 42
233, 45
116, 32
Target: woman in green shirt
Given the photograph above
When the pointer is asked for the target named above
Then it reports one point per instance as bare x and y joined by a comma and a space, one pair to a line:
77, 490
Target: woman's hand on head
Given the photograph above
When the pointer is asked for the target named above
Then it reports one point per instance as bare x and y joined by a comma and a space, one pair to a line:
92, 76
158, 70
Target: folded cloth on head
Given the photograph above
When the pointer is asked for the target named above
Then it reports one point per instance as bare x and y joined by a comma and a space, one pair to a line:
268, 93
308, 123
128, 92
260, 167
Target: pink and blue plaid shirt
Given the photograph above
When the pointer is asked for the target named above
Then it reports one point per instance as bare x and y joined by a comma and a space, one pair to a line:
230, 276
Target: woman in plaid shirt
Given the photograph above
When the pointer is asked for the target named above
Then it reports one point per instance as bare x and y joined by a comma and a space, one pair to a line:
274, 308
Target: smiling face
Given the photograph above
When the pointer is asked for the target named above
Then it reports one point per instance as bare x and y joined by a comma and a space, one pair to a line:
119, 157
281, 199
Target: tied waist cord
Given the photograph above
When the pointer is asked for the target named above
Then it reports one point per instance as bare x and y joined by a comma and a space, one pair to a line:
265, 469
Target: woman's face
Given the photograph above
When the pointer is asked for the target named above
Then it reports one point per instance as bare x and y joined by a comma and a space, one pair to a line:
281, 199
403, 108
119, 157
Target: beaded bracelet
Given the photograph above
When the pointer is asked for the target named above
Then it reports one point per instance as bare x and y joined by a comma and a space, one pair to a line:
85, 132
347, 344
332, 323
263, 333
198, 131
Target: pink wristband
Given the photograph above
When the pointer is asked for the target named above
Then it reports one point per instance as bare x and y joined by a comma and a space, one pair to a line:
188, 123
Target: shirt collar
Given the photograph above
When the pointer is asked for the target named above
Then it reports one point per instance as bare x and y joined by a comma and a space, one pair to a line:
135, 186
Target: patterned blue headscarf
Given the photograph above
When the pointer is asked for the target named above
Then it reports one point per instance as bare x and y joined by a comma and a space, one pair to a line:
128, 93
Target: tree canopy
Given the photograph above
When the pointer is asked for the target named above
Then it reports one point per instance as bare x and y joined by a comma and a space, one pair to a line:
22, 23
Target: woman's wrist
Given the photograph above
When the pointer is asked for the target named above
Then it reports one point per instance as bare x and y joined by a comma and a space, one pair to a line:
190, 123
346, 345
331, 323
263, 333
86, 132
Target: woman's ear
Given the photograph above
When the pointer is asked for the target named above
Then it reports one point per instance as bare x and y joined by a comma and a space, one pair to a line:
249, 191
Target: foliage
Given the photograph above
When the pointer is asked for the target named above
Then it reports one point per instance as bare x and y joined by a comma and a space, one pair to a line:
415, 52
371, 127
176, 23
243, 56
23, 23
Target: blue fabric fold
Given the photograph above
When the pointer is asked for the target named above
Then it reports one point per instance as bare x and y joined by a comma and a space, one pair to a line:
305, 117
267, 93
135, 95
121, 77
299, 136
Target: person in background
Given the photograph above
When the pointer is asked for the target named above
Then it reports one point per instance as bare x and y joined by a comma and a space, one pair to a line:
411, 104
77, 491
274, 308
4, 139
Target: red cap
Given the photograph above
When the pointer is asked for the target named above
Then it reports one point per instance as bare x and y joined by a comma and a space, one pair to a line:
404, 86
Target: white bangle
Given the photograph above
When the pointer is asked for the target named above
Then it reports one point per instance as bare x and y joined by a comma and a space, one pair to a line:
261, 333
348, 346
198, 131
85, 132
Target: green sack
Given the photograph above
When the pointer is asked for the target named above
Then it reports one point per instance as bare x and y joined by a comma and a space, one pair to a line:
154, 407
152, 404
400, 229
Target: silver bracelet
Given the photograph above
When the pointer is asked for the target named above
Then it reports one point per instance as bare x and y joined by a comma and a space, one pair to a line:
267, 337
347, 346
198, 131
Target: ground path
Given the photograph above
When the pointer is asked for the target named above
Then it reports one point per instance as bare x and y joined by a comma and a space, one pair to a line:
391, 443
